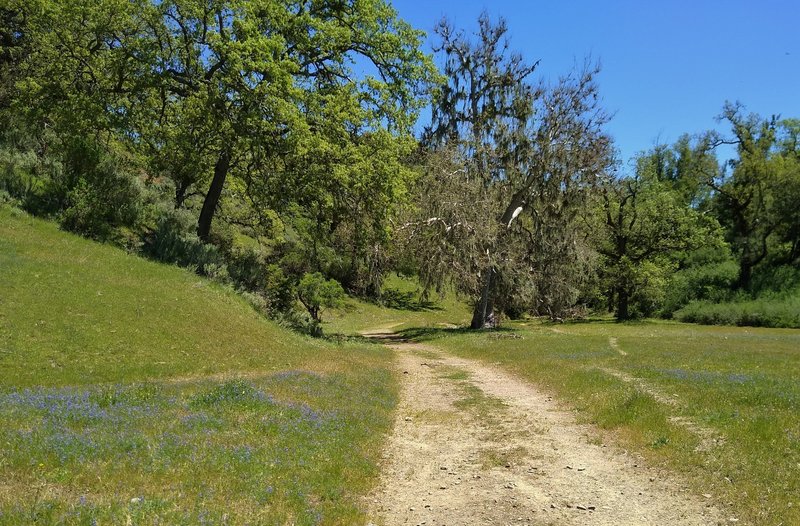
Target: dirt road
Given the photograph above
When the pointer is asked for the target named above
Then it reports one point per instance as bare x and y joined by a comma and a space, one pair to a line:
475, 445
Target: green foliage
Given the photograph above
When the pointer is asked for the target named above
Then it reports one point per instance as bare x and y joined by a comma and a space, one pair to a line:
756, 200
173, 240
643, 227
510, 163
711, 281
263, 95
92, 190
769, 310
30, 178
317, 293
303, 128
253, 268
775, 277
648, 282
102, 195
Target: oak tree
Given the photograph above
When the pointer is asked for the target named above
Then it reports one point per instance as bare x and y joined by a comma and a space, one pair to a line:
519, 159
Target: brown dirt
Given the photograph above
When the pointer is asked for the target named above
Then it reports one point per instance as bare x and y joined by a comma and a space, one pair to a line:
513, 457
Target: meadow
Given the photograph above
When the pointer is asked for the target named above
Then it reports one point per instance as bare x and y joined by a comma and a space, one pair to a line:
720, 405
135, 392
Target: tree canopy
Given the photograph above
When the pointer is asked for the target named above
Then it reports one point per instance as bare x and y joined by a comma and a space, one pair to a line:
523, 158
270, 145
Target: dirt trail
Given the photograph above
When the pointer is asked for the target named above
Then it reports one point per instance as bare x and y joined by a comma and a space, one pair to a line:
520, 460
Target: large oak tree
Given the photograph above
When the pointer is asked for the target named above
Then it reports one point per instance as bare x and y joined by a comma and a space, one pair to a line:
499, 210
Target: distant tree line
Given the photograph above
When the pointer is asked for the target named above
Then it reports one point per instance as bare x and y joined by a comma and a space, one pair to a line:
269, 144
524, 206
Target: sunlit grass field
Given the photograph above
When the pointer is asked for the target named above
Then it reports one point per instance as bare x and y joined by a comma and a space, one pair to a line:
138, 393
133, 392
721, 404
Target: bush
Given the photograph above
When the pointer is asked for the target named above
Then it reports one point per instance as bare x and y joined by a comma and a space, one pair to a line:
92, 191
16, 172
710, 282
316, 293
31, 180
650, 289
775, 278
247, 264
174, 241
767, 311
100, 211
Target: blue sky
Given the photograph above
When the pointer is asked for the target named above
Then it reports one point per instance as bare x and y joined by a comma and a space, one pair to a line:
667, 67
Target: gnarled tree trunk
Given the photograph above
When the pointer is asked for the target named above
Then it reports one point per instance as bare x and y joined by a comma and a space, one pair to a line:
483, 315
212, 197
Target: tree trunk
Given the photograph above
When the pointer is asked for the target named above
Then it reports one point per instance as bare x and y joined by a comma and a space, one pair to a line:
623, 304
212, 197
745, 275
483, 314
180, 194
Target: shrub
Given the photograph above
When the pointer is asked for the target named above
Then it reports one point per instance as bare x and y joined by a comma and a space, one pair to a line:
174, 241
710, 282
650, 289
247, 264
31, 180
16, 172
100, 192
767, 311
316, 293
776, 278
278, 290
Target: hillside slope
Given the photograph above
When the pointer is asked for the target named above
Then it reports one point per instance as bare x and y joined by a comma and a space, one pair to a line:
135, 391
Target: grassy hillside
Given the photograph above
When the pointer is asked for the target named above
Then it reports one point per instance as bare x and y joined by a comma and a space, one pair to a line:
721, 404
134, 391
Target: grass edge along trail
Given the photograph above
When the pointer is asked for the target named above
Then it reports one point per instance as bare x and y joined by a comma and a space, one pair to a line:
135, 392
720, 405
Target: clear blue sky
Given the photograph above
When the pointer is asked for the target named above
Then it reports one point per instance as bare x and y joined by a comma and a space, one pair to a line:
667, 67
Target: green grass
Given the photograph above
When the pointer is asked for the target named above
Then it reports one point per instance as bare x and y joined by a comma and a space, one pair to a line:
358, 315
134, 392
721, 404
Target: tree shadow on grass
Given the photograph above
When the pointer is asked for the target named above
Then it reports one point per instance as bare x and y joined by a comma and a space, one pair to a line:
422, 334
408, 301
414, 334
341, 338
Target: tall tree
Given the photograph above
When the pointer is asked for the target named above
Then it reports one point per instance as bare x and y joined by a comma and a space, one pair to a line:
745, 195
787, 199
529, 151
206, 89
14, 45
257, 79
643, 224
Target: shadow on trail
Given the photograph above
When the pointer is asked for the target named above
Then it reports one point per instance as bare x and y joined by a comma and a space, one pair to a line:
427, 334
422, 334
